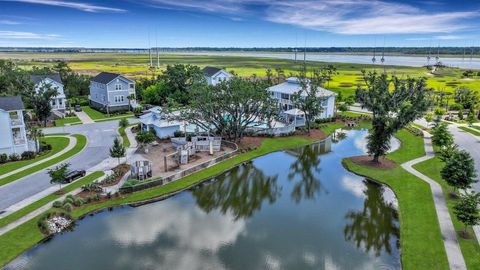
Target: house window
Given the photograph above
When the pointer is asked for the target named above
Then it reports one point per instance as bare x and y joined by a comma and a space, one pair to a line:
131, 86
53, 102
285, 96
118, 86
59, 101
119, 99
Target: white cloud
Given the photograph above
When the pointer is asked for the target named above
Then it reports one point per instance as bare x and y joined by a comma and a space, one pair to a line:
8, 22
354, 17
449, 37
365, 17
26, 35
75, 5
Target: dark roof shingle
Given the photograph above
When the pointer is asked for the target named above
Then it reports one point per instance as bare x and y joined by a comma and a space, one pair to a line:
105, 77
38, 78
11, 103
210, 71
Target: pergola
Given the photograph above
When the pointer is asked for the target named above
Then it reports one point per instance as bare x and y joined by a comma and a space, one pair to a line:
296, 114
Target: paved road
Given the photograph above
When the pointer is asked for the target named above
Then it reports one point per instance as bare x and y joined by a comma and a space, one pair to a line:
471, 144
100, 136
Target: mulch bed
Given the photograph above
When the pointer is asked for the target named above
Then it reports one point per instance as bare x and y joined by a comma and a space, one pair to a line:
315, 134
367, 162
250, 142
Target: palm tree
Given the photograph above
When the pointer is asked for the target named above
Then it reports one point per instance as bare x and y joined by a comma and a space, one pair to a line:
35, 134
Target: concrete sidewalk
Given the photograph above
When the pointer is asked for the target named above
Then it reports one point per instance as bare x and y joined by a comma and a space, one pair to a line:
36, 212
452, 248
131, 137
84, 117
71, 144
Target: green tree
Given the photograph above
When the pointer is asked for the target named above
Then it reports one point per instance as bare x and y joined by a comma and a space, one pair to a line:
156, 94
327, 73
58, 175
179, 79
35, 134
229, 107
466, 97
459, 171
14, 81
117, 150
123, 123
394, 104
471, 117
441, 136
41, 102
466, 210
145, 137
309, 98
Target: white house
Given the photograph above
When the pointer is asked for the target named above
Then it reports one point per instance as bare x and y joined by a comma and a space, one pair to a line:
13, 137
54, 81
283, 93
157, 121
110, 92
214, 75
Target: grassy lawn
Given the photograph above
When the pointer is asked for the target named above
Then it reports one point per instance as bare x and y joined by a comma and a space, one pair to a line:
421, 241
125, 140
34, 206
81, 142
470, 247
73, 120
100, 116
352, 114
26, 235
58, 144
475, 127
471, 131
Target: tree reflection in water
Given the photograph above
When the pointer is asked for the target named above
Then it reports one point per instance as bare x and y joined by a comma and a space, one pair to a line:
240, 192
305, 170
376, 224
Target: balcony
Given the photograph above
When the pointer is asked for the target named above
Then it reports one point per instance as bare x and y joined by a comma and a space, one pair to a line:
16, 121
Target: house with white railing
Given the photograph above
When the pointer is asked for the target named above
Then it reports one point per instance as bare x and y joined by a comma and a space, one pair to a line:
58, 102
283, 94
13, 137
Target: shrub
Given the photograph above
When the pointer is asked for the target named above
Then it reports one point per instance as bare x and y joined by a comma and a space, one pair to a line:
3, 158
57, 204
67, 207
178, 133
123, 123
14, 157
78, 201
28, 155
45, 147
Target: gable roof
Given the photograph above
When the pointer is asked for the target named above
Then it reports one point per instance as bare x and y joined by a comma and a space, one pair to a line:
107, 77
11, 103
292, 86
210, 71
38, 78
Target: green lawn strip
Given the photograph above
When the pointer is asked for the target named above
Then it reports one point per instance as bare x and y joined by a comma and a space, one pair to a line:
470, 247
81, 142
57, 134
98, 116
475, 127
471, 131
58, 144
26, 235
67, 120
352, 114
123, 133
421, 241
34, 206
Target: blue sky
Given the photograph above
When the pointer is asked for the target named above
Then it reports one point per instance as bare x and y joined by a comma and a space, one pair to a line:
239, 23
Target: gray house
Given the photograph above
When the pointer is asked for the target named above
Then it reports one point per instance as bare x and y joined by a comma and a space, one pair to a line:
110, 92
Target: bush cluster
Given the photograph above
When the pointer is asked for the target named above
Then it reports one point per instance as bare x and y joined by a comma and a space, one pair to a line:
43, 224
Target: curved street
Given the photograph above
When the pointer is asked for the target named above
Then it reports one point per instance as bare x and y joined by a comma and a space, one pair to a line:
99, 139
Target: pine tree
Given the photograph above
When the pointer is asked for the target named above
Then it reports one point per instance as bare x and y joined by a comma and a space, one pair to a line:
117, 150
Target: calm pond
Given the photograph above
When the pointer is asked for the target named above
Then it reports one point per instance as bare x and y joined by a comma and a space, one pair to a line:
297, 209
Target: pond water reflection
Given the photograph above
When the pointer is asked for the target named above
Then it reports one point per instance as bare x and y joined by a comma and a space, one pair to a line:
297, 209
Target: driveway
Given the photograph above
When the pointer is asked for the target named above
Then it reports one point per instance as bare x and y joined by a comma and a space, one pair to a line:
100, 138
84, 117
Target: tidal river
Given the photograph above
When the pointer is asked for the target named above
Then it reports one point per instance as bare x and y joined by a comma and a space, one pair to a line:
296, 209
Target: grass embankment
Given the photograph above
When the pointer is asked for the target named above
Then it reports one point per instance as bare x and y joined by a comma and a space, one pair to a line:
471, 131
421, 240
26, 235
73, 120
470, 247
16, 241
81, 142
58, 144
98, 116
34, 206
